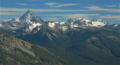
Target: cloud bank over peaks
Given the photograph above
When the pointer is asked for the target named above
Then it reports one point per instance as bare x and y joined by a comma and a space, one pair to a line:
97, 8
80, 15
117, 17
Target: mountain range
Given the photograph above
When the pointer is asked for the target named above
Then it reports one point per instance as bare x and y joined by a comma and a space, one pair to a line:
30, 22
29, 18
29, 40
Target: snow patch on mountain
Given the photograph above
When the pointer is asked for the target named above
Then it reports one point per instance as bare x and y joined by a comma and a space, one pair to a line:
74, 26
86, 22
0, 25
98, 24
27, 17
65, 28
51, 24
62, 23
56, 23
115, 25
32, 26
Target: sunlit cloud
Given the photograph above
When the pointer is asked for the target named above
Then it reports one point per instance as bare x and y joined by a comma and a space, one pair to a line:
39, 10
65, 5
58, 4
80, 15
110, 6
9, 13
73, 15
111, 16
22, 4
50, 4
97, 8
92, 8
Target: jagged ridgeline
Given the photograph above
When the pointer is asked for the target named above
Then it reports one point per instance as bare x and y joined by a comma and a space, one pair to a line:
72, 42
29, 18
30, 21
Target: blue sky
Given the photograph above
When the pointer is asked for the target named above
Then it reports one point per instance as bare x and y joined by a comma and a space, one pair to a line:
58, 10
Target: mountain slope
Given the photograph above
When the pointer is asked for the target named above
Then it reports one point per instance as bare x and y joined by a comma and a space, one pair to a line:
91, 44
18, 52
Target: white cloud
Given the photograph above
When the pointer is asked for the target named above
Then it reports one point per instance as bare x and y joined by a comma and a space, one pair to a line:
65, 5
39, 10
111, 16
9, 13
51, 19
110, 6
97, 8
50, 4
7, 19
92, 8
22, 4
80, 15
66, 16
58, 4
13, 9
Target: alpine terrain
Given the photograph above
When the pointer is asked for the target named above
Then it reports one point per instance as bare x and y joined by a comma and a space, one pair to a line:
29, 40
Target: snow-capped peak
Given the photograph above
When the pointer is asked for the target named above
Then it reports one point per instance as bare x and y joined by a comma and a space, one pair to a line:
29, 16
86, 22
35, 22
